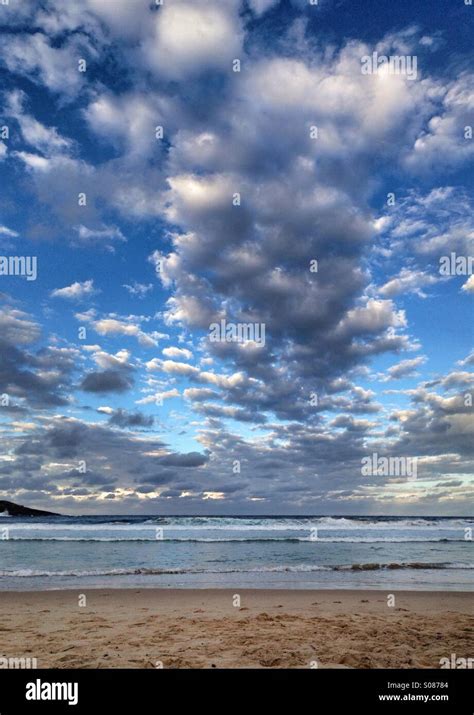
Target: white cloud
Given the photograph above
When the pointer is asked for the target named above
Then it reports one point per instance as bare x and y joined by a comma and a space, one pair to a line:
199, 393
5, 231
130, 121
76, 291
181, 369
45, 139
106, 410
33, 56
34, 161
107, 361
158, 397
408, 281
113, 326
124, 18
376, 315
405, 368
192, 195
468, 360
174, 352
173, 368
138, 289
430, 224
468, 286
261, 6
238, 379
192, 36
17, 327
104, 236
116, 325
446, 142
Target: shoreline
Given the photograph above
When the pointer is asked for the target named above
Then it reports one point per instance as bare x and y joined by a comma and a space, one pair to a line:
268, 628
221, 589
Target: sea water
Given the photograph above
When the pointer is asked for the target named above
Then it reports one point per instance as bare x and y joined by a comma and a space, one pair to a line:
425, 553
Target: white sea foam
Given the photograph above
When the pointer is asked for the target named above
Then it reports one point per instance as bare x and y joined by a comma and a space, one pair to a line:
298, 568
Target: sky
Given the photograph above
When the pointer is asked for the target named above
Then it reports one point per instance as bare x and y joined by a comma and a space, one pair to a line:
302, 170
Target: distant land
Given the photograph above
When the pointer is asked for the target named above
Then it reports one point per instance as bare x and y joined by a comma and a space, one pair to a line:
19, 510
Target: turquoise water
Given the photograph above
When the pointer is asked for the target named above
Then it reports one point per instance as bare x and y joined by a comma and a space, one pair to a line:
264, 552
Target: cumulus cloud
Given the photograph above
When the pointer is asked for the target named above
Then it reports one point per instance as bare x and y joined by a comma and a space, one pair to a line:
190, 37
40, 378
17, 327
447, 140
174, 352
408, 281
75, 291
115, 325
405, 368
255, 195
55, 67
158, 398
429, 225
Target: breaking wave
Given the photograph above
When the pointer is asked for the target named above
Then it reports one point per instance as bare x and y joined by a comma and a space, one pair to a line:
249, 540
32, 573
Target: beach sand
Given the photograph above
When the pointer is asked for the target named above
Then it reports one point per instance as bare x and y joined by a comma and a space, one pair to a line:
203, 629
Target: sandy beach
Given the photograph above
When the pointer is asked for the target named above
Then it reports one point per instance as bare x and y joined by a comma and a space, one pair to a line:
167, 628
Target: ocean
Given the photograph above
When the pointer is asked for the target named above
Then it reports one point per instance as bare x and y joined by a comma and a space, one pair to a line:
417, 553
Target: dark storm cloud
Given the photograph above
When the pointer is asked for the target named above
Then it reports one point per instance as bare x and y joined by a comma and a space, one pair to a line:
192, 459
154, 480
122, 418
104, 381
41, 379
436, 426
102, 457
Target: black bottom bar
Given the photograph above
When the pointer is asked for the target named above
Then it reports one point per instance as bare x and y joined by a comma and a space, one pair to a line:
448, 691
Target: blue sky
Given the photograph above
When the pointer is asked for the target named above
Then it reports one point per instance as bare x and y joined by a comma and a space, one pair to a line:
126, 136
